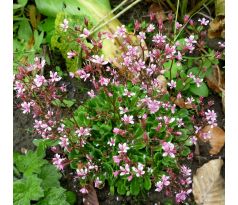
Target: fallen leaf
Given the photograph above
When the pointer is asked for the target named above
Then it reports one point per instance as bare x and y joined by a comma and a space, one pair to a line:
216, 80
208, 184
91, 198
217, 28
181, 103
216, 138
162, 83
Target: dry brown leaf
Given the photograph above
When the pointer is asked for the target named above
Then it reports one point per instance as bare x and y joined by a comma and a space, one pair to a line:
216, 80
217, 28
216, 138
162, 82
181, 103
158, 11
91, 198
208, 184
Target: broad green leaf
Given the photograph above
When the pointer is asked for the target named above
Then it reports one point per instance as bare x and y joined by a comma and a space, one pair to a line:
25, 31
185, 151
29, 163
174, 69
27, 189
69, 103
71, 197
54, 196
147, 183
135, 186
200, 91
50, 176
121, 187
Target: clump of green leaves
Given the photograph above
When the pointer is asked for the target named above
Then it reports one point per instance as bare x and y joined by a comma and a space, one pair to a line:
35, 179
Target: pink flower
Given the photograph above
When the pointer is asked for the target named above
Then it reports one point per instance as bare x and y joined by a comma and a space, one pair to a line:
130, 178
117, 159
65, 25
84, 190
121, 31
123, 148
61, 128
26, 107
194, 139
197, 129
99, 60
142, 35
97, 183
165, 180
64, 141
185, 170
125, 170
54, 77
181, 196
91, 93
180, 122
159, 39
82, 74
211, 117
115, 174
153, 106
189, 100
128, 93
85, 33
190, 40
198, 81
39, 80
159, 186
83, 132
123, 110
169, 51
127, 119
203, 21
112, 142
82, 173
172, 84
71, 54
178, 25
58, 162
169, 149
150, 28
139, 170
104, 81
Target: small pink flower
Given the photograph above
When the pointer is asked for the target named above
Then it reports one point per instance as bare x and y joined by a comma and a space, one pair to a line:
139, 170
180, 122
123, 148
121, 31
112, 142
150, 28
125, 171
97, 183
198, 81
91, 93
172, 84
54, 77
130, 178
98, 59
153, 106
58, 162
127, 119
65, 25
211, 117
203, 21
185, 170
128, 93
189, 100
178, 25
84, 190
116, 159
71, 54
61, 128
115, 174
26, 107
83, 131
82, 173
159, 186
194, 139
104, 81
159, 39
39, 80
64, 141
142, 35
123, 110
85, 33
165, 180
82, 74
169, 149
181, 196
190, 40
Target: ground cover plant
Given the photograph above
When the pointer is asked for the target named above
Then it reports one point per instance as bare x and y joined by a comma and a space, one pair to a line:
144, 113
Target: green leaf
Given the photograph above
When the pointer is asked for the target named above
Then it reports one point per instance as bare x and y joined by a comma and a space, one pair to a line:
121, 187
185, 151
200, 91
69, 103
38, 40
71, 197
27, 189
174, 69
24, 31
135, 186
54, 196
50, 176
29, 163
147, 183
